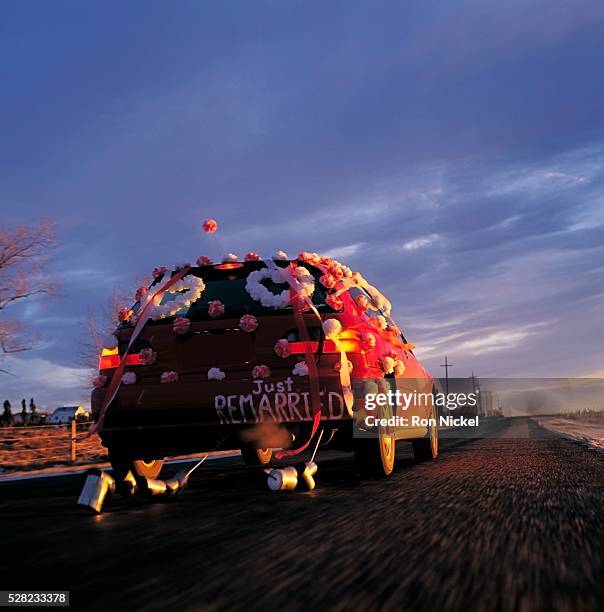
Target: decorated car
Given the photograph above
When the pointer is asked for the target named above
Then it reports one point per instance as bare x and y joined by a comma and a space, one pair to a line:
260, 355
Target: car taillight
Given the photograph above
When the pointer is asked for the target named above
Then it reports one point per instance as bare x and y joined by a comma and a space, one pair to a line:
110, 359
349, 341
297, 348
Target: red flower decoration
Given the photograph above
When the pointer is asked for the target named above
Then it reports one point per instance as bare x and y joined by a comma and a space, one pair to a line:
369, 342
159, 271
261, 371
204, 261
282, 348
335, 302
124, 315
147, 356
311, 258
210, 226
336, 272
215, 308
181, 325
328, 280
251, 256
169, 377
141, 294
248, 323
362, 303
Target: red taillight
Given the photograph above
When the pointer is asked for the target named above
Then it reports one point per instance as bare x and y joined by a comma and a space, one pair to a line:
108, 362
349, 341
110, 359
329, 346
297, 348
133, 359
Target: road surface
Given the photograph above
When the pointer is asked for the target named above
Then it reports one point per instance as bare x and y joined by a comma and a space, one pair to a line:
493, 524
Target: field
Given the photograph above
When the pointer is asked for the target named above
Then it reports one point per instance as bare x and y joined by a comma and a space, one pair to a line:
34, 448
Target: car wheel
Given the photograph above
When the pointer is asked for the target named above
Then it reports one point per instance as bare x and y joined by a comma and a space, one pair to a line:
374, 456
140, 468
427, 448
148, 469
256, 456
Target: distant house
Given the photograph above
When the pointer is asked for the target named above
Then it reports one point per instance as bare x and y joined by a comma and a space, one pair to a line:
65, 414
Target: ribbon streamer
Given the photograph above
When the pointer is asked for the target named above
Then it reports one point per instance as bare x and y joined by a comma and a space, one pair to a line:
297, 299
313, 374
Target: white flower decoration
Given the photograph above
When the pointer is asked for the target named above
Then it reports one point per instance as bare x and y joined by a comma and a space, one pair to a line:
128, 378
280, 256
388, 365
304, 281
229, 257
191, 286
216, 374
399, 368
332, 328
300, 369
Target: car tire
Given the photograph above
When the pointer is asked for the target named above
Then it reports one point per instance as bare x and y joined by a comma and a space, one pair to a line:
426, 448
256, 456
148, 469
140, 468
374, 457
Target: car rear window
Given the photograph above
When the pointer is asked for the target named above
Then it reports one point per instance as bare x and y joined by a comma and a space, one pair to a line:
228, 286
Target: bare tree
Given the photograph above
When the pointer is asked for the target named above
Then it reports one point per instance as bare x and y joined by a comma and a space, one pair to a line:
24, 255
89, 343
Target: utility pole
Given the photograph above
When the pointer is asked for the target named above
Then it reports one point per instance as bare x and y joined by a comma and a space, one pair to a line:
476, 391
446, 365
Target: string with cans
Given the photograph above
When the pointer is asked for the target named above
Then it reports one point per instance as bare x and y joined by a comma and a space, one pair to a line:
288, 478
100, 485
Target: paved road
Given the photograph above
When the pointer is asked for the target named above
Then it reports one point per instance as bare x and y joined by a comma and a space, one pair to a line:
493, 524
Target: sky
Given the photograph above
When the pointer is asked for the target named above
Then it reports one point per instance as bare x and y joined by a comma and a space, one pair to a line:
452, 152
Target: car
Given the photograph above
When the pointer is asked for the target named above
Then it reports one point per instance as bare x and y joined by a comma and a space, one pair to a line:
221, 364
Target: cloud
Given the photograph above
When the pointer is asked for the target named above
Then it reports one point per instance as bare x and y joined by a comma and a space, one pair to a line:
343, 251
495, 341
50, 383
419, 243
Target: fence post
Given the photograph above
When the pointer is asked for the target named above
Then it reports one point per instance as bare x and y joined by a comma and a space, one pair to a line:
73, 440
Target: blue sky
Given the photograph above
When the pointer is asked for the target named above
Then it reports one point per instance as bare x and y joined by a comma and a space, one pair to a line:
450, 151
